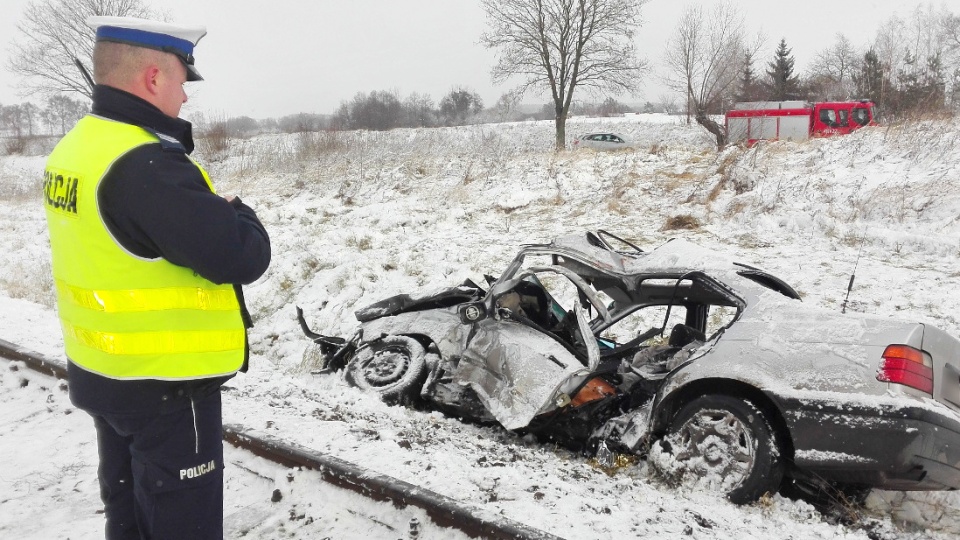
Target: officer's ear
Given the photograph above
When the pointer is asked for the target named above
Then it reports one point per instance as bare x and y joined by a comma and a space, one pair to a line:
151, 78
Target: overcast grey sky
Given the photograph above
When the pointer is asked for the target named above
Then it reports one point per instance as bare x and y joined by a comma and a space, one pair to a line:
273, 58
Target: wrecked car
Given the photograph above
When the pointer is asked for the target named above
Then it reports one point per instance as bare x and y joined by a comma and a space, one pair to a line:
678, 352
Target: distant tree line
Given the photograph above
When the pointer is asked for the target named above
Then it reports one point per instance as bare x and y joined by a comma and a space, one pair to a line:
382, 110
22, 121
56, 117
377, 110
239, 127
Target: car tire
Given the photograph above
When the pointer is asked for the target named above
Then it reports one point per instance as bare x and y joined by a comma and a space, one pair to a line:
394, 367
728, 444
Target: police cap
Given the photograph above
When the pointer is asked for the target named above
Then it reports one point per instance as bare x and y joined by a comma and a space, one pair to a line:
175, 39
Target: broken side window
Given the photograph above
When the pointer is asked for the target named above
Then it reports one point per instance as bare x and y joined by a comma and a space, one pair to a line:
640, 321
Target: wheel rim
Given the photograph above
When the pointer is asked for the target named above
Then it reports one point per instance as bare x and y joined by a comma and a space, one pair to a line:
386, 366
718, 446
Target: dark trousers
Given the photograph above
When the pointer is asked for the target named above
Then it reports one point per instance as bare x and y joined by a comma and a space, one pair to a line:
161, 475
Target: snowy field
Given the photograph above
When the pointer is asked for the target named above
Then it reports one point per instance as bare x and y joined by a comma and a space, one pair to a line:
356, 217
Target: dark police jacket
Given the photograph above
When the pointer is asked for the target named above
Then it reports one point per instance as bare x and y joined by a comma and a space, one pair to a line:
153, 200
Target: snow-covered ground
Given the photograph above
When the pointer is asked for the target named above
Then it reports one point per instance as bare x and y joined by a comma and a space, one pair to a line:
356, 217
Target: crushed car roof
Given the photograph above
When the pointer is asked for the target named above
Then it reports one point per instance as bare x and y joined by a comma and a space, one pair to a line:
676, 255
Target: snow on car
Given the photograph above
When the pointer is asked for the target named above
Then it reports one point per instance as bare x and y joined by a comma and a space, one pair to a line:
713, 368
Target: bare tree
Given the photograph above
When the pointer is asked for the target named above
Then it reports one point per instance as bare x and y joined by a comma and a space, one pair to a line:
53, 36
562, 45
667, 103
461, 104
705, 58
379, 110
950, 24
507, 106
835, 66
62, 112
18, 120
419, 110
920, 57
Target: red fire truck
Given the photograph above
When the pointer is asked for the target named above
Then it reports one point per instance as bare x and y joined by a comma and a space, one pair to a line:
795, 120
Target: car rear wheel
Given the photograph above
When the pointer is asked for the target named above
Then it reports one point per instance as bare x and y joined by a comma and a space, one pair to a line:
394, 367
724, 443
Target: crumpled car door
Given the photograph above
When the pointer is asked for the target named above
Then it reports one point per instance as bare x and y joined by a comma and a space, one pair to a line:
518, 371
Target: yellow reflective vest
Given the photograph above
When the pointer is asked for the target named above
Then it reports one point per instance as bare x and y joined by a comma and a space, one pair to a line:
124, 316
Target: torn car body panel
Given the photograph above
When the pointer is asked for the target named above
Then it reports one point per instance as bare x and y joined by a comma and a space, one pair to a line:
514, 371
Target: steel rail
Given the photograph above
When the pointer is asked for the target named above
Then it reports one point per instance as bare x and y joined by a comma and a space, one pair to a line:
33, 360
443, 511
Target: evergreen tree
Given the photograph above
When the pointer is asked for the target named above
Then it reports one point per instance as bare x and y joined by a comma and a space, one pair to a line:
934, 84
922, 86
908, 83
870, 81
750, 88
782, 84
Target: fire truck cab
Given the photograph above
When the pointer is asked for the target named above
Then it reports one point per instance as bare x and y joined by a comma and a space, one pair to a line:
795, 120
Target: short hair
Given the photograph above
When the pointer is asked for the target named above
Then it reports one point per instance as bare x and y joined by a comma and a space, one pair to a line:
118, 64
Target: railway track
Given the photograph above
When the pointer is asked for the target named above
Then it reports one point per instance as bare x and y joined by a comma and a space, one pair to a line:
443, 511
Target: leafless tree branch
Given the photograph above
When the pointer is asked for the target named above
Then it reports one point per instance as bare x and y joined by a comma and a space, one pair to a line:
53, 33
704, 59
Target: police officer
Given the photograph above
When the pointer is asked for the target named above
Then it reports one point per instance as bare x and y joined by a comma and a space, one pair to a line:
148, 260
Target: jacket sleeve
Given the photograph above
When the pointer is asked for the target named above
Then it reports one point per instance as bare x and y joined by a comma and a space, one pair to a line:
157, 204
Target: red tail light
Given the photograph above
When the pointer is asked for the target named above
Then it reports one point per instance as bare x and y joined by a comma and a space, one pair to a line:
905, 365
